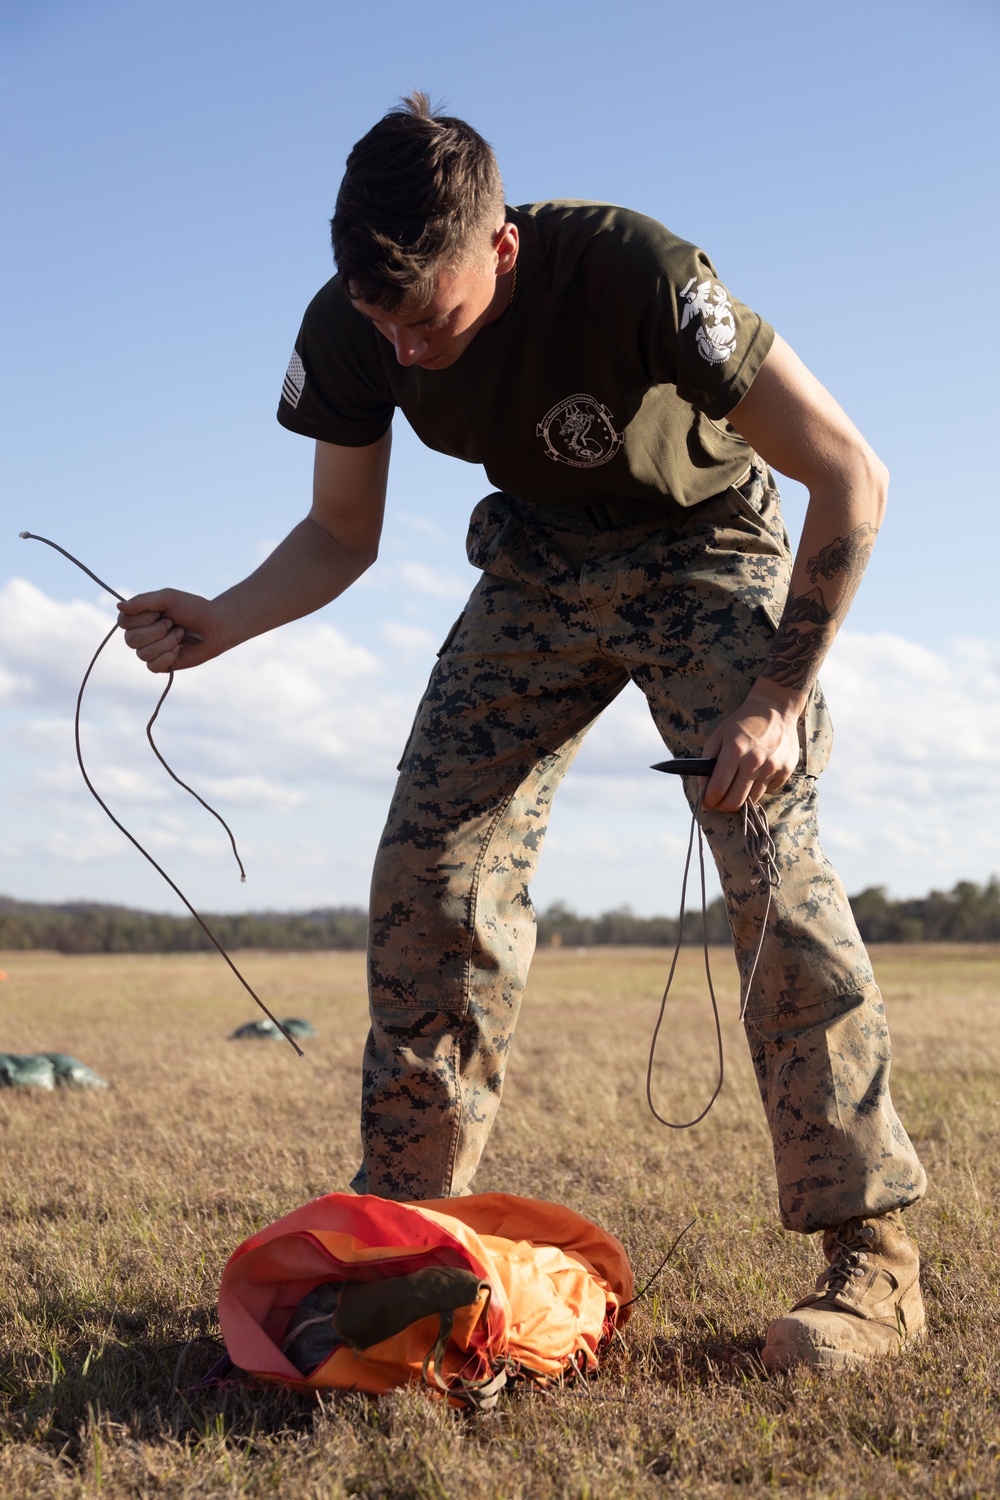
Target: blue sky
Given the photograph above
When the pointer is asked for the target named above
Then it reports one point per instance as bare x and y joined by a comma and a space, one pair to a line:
169, 172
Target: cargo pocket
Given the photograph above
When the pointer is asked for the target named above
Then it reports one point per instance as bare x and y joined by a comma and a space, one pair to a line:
450, 636
492, 526
757, 500
440, 652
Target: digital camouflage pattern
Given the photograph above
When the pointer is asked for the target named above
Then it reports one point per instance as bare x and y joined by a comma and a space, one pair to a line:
567, 611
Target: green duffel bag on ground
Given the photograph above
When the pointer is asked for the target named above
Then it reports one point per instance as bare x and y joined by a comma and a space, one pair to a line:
71, 1073
265, 1029
31, 1071
46, 1070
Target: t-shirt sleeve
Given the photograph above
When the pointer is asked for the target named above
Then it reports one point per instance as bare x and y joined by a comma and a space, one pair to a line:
720, 342
333, 390
689, 330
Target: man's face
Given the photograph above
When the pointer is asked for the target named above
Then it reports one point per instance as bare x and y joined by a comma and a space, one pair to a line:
464, 301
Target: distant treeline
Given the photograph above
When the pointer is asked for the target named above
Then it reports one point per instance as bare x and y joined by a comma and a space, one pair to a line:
85, 927
560, 925
969, 913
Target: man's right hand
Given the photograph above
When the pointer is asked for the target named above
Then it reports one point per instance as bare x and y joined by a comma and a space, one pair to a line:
169, 630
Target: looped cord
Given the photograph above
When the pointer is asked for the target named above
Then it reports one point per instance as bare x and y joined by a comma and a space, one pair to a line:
686, 1124
190, 789
763, 856
30, 536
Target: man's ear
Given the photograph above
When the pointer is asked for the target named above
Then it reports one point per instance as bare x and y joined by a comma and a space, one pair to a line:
505, 243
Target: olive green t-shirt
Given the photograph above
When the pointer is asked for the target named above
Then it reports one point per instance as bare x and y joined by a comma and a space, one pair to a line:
608, 376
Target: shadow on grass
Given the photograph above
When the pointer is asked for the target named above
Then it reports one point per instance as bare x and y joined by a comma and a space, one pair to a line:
681, 1360
150, 1386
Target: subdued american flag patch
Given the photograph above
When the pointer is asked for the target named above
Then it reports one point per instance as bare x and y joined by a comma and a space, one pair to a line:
294, 381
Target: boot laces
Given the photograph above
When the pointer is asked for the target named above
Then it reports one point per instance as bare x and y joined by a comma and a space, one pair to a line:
848, 1259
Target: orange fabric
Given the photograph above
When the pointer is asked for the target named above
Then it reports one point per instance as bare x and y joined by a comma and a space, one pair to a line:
556, 1281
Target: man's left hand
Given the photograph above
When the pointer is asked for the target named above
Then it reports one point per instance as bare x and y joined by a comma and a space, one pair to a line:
756, 750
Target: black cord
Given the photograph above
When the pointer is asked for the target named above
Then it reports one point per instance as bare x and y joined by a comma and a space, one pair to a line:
687, 1124
760, 847
171, 772
30, 536
659, 1269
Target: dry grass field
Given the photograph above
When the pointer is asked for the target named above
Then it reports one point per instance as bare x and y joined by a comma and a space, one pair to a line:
119, 1210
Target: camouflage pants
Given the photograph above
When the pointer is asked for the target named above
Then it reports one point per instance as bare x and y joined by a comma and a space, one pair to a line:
564, 615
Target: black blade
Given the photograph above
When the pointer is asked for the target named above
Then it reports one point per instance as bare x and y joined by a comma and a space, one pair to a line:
686, 766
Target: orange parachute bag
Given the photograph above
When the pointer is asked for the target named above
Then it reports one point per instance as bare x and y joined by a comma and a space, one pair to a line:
461, 1294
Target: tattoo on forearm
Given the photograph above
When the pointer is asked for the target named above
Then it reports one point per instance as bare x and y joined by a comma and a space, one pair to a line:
804, 636
848, 555
809, 622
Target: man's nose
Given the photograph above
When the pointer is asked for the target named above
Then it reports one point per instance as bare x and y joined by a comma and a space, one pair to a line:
409, 346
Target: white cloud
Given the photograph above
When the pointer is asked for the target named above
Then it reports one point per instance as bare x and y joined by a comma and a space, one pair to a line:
118, 783
250, 791
909, 795
919, 720
298, 702
908, 800
432, 581
300, 730
421, 524
409, 637
47, 644
12, 686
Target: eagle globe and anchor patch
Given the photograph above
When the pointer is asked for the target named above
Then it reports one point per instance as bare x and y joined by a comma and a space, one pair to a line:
709, 301
579, 431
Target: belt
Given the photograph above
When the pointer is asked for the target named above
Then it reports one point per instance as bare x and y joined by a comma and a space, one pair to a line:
606, 513
602, 514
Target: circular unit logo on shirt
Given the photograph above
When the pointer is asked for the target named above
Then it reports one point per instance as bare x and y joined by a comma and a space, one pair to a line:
579, 431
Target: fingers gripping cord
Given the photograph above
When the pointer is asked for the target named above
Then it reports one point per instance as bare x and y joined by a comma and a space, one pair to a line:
761, 849
28, 535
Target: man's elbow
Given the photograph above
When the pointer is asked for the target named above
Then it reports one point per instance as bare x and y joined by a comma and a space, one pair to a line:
360, 557
879, 482
360, 548
870, 479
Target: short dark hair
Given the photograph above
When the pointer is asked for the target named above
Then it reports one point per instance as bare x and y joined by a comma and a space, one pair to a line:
418, 188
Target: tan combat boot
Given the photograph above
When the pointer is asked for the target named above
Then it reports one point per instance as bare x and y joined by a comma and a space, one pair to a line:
866, 1303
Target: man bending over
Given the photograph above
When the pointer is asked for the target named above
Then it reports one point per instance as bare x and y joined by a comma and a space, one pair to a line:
629, 411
